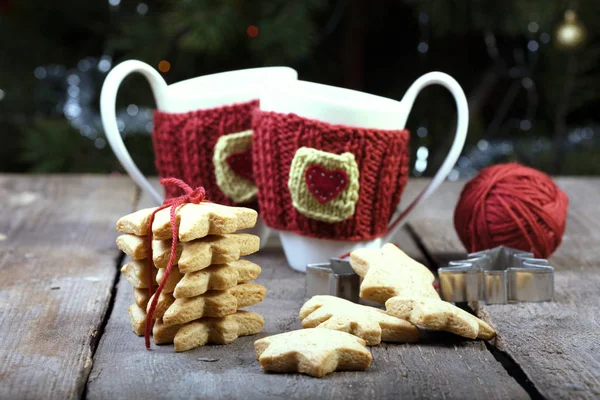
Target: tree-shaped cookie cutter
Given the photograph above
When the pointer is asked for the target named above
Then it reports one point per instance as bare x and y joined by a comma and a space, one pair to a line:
497, 276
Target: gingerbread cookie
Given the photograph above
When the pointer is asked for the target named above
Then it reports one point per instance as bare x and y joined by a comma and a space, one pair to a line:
199, 254
214, 303
194, 221
216, 277
368, 323
315, 352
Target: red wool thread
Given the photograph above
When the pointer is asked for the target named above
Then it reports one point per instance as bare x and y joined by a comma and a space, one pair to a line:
511, 205
190, 195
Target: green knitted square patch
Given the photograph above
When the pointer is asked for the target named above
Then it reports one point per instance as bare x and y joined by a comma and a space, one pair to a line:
233, 166
324, 186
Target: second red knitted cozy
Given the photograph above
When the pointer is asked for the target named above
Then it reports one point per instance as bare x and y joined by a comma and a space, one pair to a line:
184, 145
327, 181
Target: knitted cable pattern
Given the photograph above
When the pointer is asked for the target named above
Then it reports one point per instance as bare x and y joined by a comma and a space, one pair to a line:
184, 145
381, 156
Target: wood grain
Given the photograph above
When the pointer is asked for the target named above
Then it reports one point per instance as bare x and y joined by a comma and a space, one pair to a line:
58, 259
556, 344
444, 367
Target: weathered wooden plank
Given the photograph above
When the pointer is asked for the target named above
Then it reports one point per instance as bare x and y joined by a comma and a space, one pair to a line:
556, 344
447, 368
57, 259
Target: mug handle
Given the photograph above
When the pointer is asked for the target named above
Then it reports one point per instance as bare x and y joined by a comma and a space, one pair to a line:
108, 99
460, 136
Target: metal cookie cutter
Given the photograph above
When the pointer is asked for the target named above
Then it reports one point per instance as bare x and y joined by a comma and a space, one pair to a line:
497, 276
335, 278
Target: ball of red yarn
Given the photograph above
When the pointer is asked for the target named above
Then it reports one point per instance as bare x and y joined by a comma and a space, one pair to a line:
511, 205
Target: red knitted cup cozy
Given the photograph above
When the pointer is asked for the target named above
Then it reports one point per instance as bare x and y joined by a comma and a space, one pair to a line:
379, 163
184, 145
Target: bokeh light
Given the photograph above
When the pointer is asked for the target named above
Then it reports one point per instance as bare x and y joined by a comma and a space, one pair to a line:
252, 31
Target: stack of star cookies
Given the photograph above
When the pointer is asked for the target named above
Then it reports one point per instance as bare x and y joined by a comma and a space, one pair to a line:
208, 284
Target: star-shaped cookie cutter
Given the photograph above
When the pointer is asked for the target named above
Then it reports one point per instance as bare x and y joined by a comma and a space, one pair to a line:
335, 278
497, 276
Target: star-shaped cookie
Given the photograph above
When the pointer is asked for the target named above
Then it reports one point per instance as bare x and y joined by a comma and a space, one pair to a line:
133, 246
141, 297
136, 273
197, 333
194, 221
137, 317
312, 351
165, 300
199, 254
214, 303
368, 323
215, 277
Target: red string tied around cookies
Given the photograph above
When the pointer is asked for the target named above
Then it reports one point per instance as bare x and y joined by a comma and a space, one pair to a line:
190, 195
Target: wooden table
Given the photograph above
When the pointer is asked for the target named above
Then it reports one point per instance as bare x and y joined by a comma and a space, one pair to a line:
64, 328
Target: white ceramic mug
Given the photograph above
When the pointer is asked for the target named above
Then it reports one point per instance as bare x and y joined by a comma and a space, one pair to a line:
203, 92
361, 110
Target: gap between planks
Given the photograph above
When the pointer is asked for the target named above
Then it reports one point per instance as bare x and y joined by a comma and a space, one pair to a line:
119, 259
508, 363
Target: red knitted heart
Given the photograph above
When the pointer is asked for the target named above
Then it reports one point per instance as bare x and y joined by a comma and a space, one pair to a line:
241, 163
325, 184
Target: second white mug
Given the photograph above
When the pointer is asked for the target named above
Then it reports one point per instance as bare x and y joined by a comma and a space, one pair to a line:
333, 163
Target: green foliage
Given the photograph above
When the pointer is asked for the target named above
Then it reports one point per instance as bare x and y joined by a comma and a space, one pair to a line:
507, 18
205, 36
205, 28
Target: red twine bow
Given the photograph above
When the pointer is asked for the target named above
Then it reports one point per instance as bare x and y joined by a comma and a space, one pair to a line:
195, 196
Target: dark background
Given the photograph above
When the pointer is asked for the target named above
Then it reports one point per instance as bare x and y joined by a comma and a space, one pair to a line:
533, 95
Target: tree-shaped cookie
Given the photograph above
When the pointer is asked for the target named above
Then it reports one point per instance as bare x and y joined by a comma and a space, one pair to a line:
406, 287
315, 352
389, 272
368, 323
194, 221
439, 315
